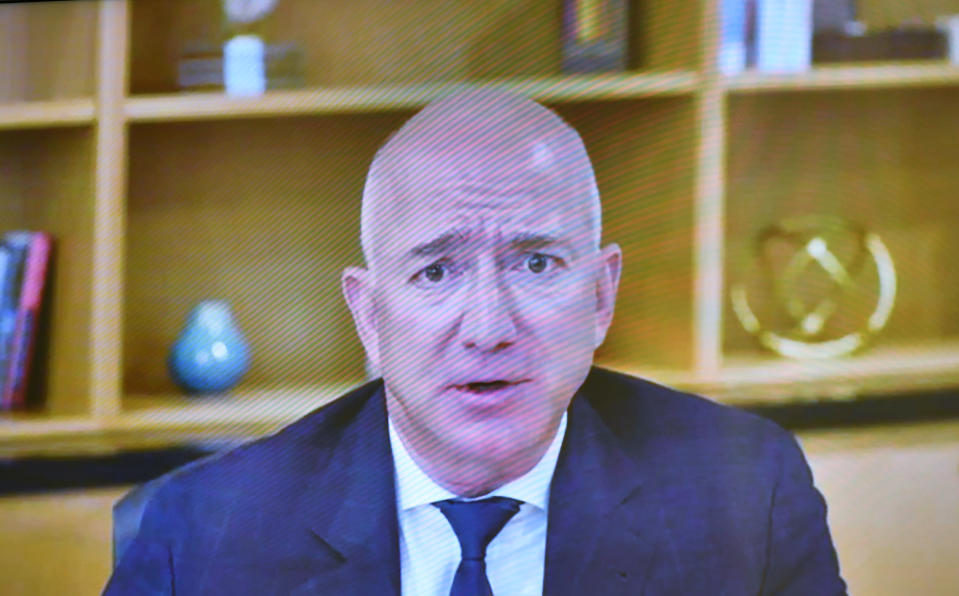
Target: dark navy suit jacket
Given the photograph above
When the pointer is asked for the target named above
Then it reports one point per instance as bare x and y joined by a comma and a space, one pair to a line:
655, 492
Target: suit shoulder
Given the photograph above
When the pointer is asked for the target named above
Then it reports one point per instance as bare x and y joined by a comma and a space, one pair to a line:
300, 446
637, 409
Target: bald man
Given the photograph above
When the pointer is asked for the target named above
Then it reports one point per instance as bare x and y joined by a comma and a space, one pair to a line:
491, 457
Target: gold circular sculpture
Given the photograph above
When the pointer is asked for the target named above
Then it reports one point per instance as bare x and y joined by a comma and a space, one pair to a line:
814, 275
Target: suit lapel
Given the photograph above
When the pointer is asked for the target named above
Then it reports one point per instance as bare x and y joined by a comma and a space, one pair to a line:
351, 510
603, 527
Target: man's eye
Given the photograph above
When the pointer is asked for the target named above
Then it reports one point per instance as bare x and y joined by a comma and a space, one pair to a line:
537, 263
440, 274
435, 272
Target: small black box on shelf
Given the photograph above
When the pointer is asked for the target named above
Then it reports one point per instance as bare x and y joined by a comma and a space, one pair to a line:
894, 44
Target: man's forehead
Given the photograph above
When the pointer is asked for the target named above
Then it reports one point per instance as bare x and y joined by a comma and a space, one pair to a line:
493, 166
498, 167
478, 131
478, 227
525, 194
484, 154
488, 197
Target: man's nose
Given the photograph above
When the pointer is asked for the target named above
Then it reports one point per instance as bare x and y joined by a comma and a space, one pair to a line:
488, 324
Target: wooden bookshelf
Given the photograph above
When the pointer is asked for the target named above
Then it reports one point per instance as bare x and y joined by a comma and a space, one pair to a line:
161, 198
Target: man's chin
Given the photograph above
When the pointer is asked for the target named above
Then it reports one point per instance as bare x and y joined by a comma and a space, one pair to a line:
491, 464
493, 443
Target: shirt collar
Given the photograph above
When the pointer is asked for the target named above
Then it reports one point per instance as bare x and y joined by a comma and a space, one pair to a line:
414, 488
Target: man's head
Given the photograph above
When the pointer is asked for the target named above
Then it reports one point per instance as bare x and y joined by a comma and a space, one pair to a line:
486, 292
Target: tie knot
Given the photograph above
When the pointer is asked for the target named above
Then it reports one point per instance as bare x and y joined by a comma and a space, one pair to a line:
476, 523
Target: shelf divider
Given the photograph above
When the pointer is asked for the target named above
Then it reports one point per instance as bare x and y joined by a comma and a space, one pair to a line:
109, 227
708, 223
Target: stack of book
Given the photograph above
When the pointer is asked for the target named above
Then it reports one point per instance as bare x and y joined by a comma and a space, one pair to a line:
24, 267
201, 67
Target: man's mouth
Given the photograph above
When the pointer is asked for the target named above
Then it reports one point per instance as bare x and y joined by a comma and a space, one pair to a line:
484, 387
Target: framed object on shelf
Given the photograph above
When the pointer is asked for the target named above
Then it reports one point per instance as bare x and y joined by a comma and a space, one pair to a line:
817, 287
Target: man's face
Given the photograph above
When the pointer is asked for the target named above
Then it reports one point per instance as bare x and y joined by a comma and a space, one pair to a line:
488, 300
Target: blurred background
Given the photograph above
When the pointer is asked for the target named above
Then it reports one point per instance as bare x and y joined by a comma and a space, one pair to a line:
180, 183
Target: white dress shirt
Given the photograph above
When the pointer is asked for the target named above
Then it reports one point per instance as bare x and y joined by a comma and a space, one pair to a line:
429, 549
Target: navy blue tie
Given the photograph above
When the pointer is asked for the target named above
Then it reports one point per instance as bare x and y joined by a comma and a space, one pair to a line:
476, 523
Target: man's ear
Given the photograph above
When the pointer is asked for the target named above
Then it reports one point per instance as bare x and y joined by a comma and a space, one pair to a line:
607, 284
358, 290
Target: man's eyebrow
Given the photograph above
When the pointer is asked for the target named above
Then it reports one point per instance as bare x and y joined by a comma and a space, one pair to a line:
533, 240
439, 245
522, 241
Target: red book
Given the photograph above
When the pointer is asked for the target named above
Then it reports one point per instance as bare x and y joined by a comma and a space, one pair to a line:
14, 391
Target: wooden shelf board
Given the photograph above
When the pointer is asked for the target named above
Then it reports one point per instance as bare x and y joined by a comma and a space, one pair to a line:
153, 421
47, 114
271, 406
755, 379
925, 73
563, 89
881, 370
28, 434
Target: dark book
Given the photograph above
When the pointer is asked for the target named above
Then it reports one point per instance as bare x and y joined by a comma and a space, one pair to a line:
13, 251
6, 327
32, 281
